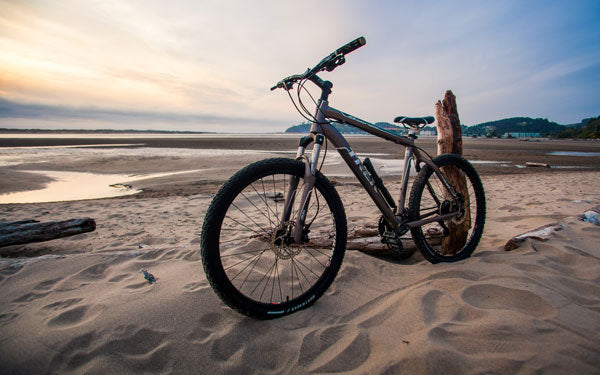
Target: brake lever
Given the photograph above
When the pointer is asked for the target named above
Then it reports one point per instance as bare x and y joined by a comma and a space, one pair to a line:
339, 60
288, 82
283, 84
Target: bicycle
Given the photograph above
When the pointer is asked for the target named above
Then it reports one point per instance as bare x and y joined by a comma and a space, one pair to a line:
274, 235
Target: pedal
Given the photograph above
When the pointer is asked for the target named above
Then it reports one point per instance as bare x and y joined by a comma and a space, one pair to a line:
390, 239
394, 244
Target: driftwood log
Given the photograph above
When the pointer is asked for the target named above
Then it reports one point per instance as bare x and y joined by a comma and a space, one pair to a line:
539, 165
540, 234
27, 231
449, 140
363, 238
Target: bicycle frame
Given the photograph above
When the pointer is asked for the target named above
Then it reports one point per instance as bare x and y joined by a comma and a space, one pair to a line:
320, 129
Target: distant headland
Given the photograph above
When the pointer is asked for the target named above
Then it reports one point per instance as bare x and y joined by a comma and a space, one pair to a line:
508, 127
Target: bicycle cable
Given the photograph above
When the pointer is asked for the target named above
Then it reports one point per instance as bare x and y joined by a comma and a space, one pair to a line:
300, 87
298, 109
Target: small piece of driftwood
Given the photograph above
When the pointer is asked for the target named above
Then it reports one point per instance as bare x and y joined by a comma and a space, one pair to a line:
541, 234
27, 231
539, 165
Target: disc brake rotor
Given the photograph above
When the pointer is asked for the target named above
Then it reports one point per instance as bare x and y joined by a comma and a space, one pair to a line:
282, 245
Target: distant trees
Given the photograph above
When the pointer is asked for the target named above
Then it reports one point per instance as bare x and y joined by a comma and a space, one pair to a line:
590, 131
588, 128
514, 124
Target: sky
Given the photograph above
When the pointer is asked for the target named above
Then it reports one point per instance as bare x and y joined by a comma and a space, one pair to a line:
205, 65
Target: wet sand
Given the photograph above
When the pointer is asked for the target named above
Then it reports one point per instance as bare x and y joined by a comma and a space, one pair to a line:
508, 155
81, 305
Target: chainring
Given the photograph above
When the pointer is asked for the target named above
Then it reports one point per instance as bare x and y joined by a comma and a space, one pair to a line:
392, 239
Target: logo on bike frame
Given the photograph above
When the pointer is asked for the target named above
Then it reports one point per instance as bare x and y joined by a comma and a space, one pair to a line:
361, 167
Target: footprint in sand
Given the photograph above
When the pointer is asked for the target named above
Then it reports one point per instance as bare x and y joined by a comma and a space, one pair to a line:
236, 337
334, 349
116, 279
74, 316
484, 340
534, 268
129, 349
137, 286
92, 273
206, 325
61, 305
7, 318
495, 297
28, 297
195, 286
47, 284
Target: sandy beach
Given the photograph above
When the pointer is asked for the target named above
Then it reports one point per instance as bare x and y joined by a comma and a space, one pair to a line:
81, 305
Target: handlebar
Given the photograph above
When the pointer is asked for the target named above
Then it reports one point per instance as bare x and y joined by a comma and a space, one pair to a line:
353, 45
329, 63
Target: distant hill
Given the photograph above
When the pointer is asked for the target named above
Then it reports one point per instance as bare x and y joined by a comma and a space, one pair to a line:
514, 124
581, 124
587, 128
591, 129
348, 129
305, 127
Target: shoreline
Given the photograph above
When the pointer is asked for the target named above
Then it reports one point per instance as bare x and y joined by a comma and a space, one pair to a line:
165, 166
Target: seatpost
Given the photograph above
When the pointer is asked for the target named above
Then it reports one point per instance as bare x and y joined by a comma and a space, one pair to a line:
408, 155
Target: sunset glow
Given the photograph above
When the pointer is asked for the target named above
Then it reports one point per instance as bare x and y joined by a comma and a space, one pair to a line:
207, 66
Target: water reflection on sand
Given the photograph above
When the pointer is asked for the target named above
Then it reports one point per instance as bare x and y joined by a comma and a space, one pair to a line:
71, 186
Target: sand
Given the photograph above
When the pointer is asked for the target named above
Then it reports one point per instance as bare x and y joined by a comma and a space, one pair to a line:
81, 305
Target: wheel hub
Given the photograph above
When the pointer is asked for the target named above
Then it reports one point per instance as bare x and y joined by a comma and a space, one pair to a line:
282, 244
460, 208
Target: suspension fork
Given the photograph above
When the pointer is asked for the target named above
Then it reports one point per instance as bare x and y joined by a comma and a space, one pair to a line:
310, 166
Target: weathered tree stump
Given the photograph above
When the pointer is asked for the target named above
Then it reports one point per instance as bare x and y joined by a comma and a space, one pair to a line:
27, 231
449, 140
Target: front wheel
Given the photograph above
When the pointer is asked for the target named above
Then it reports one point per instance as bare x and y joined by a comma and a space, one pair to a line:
248, 253
455, 238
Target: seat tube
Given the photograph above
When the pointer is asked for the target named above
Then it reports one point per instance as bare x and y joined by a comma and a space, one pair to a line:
408, 155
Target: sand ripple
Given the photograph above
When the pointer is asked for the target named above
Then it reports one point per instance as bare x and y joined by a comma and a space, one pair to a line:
82, 306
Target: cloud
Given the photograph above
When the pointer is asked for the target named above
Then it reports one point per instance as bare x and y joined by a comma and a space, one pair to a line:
14, 110
214, 61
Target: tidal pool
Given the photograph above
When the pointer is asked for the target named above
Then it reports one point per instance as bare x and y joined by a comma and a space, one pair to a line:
73, 186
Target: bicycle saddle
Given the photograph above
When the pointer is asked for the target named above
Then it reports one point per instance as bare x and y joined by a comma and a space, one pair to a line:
414, 121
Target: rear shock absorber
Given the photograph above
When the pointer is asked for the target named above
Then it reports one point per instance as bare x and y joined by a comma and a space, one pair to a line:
379, 183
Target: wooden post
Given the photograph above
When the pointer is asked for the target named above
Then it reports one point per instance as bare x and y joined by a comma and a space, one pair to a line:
449, 140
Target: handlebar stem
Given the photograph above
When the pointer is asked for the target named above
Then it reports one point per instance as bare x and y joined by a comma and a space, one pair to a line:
325, 90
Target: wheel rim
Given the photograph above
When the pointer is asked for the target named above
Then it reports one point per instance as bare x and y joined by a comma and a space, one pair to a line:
435, 198
256, 253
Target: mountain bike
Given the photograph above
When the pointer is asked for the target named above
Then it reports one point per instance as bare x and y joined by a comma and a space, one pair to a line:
274, 235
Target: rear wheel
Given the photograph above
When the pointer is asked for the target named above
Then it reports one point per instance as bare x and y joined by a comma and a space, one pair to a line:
455, 238
247, 252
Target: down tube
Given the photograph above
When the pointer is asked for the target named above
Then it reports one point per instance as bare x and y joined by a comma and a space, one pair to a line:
360, 172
